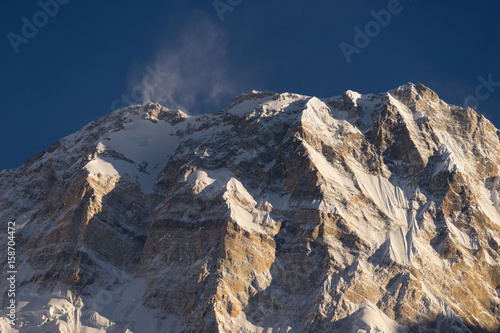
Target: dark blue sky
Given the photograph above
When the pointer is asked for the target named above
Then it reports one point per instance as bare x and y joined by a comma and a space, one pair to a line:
92, 57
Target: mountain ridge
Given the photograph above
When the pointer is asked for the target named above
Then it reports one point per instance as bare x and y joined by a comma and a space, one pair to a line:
281, 211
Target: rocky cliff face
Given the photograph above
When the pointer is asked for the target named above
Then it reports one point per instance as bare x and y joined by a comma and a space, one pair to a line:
378, 213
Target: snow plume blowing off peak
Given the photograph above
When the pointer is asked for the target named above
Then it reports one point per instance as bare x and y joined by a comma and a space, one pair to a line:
190, 74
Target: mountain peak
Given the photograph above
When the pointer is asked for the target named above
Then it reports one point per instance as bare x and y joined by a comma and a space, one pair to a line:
254, 94
283, 212
156, 112
411, 93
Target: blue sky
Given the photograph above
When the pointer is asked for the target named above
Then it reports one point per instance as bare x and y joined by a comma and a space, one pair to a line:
83, 59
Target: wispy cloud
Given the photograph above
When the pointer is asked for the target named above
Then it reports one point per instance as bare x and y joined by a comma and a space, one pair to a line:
195, 74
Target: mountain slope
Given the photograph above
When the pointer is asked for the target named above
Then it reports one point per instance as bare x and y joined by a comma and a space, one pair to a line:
283, 211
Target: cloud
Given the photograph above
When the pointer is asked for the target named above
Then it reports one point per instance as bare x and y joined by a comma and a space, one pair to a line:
192, 73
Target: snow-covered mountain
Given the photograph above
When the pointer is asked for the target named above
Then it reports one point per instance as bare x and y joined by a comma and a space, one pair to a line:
281, 213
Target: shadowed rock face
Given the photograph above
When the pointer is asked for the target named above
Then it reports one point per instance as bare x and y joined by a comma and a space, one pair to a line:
283, 211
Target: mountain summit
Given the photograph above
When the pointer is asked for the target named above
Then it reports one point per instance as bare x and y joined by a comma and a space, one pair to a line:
283, 212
